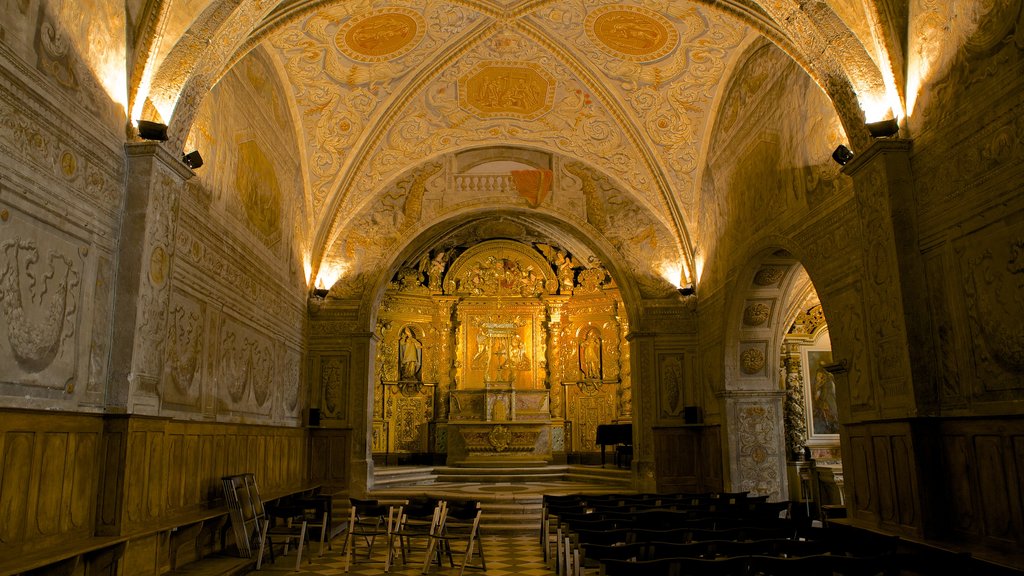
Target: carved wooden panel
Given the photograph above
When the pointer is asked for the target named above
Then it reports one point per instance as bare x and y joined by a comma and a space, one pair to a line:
983, 480
688, 458
50, 465
882, 482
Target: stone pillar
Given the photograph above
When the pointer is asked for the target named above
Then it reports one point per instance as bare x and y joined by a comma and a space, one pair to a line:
643, 363
144, 262
895, 287
793, 409
887, 366
756, 448
360, 409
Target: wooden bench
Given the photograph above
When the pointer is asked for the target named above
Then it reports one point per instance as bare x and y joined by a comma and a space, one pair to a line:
182, 529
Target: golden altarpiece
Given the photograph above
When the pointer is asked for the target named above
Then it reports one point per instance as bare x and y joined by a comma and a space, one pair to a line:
500, 353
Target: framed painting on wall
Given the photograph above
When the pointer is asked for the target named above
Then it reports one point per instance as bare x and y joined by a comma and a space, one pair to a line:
820, 392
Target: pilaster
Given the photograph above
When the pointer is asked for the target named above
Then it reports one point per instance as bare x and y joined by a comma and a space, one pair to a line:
145, 257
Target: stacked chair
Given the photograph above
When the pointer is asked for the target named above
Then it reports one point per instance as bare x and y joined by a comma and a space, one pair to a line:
729, 534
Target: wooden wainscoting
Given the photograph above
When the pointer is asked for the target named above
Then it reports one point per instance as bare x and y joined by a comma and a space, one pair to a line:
688, 458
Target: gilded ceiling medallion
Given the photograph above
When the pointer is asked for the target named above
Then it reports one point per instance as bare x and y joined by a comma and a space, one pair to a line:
380, 35
521, 90
631, 33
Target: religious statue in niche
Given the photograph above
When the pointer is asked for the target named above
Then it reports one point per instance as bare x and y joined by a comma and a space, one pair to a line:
590, 355
410, 356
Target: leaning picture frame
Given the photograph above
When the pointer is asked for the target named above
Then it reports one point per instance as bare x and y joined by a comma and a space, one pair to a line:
820, 405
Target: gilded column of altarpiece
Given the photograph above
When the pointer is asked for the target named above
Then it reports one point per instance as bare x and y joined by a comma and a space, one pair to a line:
500, 352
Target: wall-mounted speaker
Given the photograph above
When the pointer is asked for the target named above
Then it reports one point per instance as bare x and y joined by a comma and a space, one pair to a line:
313, 417
692, 415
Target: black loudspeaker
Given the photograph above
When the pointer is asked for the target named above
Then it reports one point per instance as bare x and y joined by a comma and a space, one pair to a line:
314, 416
692, 415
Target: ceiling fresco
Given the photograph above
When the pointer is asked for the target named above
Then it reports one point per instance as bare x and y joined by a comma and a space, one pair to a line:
629, 91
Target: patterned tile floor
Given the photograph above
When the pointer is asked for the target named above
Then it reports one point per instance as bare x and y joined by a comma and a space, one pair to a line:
506, 556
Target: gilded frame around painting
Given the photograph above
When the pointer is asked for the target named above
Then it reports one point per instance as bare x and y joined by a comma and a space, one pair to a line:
821, 410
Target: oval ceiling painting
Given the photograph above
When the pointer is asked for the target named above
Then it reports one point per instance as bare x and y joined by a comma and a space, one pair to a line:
631, 33
380, 35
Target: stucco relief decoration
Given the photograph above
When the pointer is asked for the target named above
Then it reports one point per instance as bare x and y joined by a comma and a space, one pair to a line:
522, 90
662, 65
333, 381
757, 452
630, 226
246, 364
434, 121
40, 285
292, 381
337, 91
672, 388
183, 362
380, 35
756, 314
259, 192
631, 33
155, 293
752, 361
768, 276
994, 284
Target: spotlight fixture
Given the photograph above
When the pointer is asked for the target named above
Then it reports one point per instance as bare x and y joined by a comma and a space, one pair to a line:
152, 130
883, 128
842, 155
688, 290
320, 293
193, 160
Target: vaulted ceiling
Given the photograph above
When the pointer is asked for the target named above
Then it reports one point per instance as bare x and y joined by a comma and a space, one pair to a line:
371, 89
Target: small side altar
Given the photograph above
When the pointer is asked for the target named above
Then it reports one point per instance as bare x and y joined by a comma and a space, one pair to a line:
499, 426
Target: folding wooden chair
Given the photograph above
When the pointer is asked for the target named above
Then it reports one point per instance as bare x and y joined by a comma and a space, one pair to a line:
373, 521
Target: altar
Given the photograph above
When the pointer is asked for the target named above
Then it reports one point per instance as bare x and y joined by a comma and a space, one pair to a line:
499, 426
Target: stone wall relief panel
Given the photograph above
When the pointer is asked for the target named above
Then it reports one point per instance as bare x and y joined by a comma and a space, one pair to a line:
45, 330
849, 336
950, 338
674, 385
99, 342
244, 364
181, 380
882, 299
756, 446
291, 385
333, 378
154, 285
991, 265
